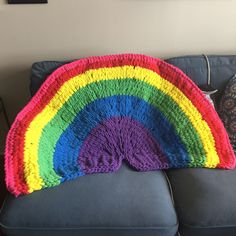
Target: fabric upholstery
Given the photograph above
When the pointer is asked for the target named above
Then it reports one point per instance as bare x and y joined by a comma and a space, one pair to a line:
222, 69
205, 201
40, 71
123, 203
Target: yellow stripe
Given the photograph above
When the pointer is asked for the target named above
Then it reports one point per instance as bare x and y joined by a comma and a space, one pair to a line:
34, 131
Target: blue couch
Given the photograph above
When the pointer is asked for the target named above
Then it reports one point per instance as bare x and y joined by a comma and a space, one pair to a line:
195, 202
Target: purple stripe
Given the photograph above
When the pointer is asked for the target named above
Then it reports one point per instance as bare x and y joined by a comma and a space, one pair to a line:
120, 138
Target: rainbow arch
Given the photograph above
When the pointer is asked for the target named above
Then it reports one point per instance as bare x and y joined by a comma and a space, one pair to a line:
91, 114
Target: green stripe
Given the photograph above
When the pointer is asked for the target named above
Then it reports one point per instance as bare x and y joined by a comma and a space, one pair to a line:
133, 87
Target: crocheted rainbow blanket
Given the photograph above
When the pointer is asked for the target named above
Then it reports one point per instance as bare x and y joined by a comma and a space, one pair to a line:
91, 114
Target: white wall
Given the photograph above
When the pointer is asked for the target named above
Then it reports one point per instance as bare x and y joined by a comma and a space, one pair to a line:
66, 29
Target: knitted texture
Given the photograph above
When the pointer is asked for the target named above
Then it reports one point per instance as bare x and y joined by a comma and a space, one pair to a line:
91, 114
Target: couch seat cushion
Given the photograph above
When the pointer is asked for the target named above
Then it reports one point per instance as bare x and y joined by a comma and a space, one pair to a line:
205, 201
123, 203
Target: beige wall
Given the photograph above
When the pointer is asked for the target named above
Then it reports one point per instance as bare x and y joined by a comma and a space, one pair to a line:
66, 29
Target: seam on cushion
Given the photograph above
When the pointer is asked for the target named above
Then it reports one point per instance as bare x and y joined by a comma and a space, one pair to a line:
207, 227
202, 67
172, 198
86, 228
170, 188
200, 56
3, 204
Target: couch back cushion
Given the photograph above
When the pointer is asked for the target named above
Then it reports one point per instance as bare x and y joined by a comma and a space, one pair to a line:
222, 69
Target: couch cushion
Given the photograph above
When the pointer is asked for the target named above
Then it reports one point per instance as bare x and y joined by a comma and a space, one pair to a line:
222, 69
40, 71
205, 201
125, 203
